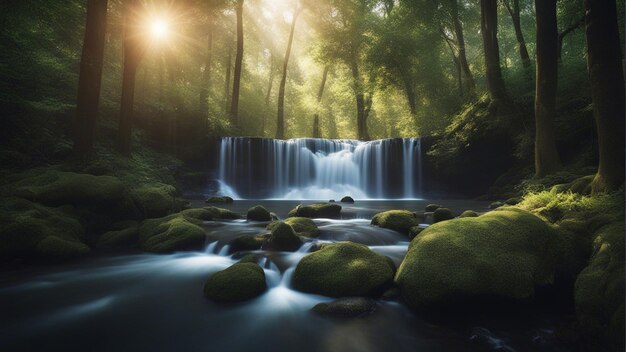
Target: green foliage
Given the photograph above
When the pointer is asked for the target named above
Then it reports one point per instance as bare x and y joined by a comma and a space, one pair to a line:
344, 269
506, 253
240, 282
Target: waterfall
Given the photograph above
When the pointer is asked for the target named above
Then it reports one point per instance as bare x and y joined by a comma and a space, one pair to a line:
323, 169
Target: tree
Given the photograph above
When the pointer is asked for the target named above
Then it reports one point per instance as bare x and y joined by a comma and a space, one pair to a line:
514, 11
280, 120
546, 156
90, 77
604, 65
489, 31
460, 43
134, 49
320, 93
234, 104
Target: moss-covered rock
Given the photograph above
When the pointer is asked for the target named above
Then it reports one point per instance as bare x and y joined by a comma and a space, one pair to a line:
398, 220
180, 231
347, 199
599, 292
468, 214
55, 188
122, 235
505, 253
348, 307
319, 210
238, 283
581, 185
155, 200
35, 232
302, 226
415, 231
432, 207
284, 238
224, 199
259, 213
344, 269
513, 201
442, 214
247, 243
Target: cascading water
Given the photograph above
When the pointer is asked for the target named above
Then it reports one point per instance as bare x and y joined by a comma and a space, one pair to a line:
320, 168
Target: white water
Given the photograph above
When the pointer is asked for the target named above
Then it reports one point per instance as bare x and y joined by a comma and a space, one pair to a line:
320, 168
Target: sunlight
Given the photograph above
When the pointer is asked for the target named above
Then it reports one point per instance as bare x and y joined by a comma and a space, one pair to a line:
159, 29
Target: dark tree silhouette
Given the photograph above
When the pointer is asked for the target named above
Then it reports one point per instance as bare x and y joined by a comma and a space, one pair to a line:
280, 119
489, 31
234, 104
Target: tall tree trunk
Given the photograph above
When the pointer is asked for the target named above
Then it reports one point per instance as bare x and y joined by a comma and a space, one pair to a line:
514, 11
234, 104
268, 95
361, 116
90, 77
229, 59
604, 63
280, 118
546, 156
133, 52
460, 39
317, 133
411, 97
206, 78
489, 31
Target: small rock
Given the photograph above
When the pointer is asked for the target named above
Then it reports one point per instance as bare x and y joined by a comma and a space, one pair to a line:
442, 214
347, 199
349, 307
224, 199
259, 213
495, 205
432, 207
469, 214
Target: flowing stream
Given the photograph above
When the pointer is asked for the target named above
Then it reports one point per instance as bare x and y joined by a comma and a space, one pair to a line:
145, 302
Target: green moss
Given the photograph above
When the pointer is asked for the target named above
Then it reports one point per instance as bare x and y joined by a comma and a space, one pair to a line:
224, 199
513, 201
496, 205
442, 214
247, 243
210, 214
55, 188
468, 214
398, 220
415, 231
581, 185
505, 253
155, 200
302, 226
170, 234
32, 231
124, 235
432, 207
319, 210
343, 269
284, 238
259, 213
240, 282
599, 292
351, 307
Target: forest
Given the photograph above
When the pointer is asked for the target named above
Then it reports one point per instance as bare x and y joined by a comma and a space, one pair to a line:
353, 175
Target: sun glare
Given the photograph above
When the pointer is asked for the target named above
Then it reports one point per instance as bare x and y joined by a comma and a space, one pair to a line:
159, 29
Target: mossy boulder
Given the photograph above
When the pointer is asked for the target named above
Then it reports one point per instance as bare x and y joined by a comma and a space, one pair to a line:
122, 235
505, 254
179, 231
259, 213
35, 232
344, 269
397, 220
247, 243
442, 214
319, 210
347, 199
155, 200
599, 292
348, 307
468, 214
496, 205
56, 188
432, 207
415, 231
302, 226
284, 238
581, 185
238, 283
513, 201
223, 199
